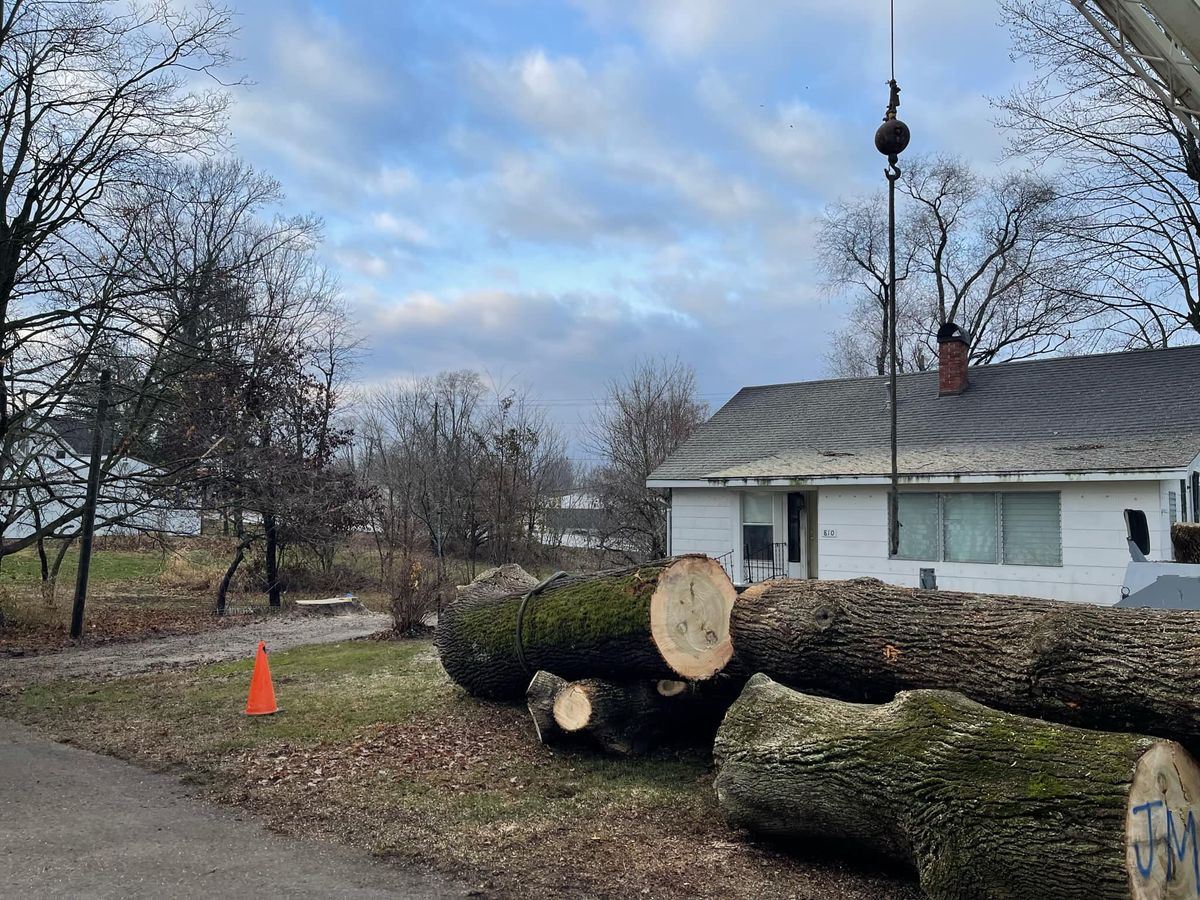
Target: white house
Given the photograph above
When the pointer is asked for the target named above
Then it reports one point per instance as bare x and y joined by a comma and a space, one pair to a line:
130, 499
1014, 477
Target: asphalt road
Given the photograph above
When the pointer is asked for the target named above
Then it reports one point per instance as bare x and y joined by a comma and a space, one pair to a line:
76, 824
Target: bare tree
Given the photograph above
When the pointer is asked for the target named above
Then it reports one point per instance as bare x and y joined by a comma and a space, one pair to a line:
1125, 159
991, 254
647, 414
458, 466
95, 97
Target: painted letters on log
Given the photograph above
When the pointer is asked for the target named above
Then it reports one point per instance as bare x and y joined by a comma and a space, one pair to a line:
983, 804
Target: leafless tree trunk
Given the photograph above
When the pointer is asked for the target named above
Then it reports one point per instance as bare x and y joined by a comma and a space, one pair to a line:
1126, 161
647, 414
996, 255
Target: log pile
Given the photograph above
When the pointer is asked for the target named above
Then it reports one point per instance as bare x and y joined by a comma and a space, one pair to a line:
661, 620
941, 730
624, 717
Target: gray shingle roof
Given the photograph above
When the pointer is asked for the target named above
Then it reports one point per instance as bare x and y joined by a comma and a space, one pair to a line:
1108, 412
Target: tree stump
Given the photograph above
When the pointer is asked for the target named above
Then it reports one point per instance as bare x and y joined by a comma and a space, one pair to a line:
982, 803
666, 619
1114, 669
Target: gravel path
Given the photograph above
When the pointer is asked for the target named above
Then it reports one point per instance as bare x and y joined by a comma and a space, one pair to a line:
77, 824
228, 642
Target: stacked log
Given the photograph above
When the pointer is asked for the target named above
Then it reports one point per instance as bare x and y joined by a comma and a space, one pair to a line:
661, 620
1113, 669
982, 803
622, 717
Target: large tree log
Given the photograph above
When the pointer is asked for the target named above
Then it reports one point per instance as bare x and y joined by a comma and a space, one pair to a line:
983, 804
506, 579
1114, 669
666, 619
621, 717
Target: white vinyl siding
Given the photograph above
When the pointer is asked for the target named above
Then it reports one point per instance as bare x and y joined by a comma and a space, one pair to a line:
1019, 528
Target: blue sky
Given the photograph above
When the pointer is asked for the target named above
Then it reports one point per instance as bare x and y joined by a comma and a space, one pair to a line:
548, 190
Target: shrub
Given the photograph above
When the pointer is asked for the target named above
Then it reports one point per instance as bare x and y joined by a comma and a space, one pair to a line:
416, 596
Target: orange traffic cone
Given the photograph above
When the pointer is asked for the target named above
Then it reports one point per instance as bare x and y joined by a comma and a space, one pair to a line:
261, 701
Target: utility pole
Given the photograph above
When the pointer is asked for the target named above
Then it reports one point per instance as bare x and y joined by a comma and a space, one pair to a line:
890, 139
88, 524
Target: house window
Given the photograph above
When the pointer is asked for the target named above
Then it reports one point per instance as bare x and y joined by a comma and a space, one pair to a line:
970, 528
1032, 528
758, 528
919, 526
1173, 506
1018, 528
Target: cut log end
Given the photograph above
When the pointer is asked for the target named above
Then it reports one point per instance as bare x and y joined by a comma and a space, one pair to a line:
572, 708
689, 617
1161, 845
668, 688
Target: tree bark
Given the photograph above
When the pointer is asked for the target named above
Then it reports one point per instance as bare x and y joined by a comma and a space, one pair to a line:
667, 619
981, 803
223, 589
1114, 669
497, 582
623, 717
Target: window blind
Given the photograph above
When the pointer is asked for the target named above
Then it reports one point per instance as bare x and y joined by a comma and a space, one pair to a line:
918, 515
969, 527
757, 509
1032, 529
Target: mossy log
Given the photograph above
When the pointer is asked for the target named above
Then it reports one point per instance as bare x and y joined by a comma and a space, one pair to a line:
622, 717
666, 619
1114, 669
981, 803
1185, 537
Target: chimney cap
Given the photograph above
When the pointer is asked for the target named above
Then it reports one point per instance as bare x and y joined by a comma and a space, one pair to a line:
952, 332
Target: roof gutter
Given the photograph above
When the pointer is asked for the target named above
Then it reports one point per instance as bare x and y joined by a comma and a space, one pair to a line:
925, 478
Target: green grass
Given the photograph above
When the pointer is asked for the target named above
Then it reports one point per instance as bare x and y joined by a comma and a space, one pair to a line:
108, 567
375, 746
327, 692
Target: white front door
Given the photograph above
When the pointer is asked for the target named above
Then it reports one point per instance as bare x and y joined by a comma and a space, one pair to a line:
797, 536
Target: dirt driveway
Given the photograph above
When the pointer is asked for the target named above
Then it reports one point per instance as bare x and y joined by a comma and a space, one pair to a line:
230, 642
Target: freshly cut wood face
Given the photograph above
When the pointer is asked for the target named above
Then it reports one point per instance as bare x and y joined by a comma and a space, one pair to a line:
1162, 848
572, 708
668, 688
689, 617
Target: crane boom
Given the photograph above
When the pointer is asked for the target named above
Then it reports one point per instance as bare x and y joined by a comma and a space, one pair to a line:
1160, 40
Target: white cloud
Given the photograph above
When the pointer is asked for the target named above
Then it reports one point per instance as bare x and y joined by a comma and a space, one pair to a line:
401, 227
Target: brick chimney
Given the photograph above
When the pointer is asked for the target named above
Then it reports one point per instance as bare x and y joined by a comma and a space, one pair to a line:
954, 345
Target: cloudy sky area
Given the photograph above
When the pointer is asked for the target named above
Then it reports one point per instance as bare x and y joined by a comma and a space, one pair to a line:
547, 189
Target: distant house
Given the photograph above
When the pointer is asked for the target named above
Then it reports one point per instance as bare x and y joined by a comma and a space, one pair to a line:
575, 519
1014, 477
130, 500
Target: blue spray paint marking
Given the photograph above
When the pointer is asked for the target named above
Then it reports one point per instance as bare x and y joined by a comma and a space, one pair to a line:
1148, 809
1179, 846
